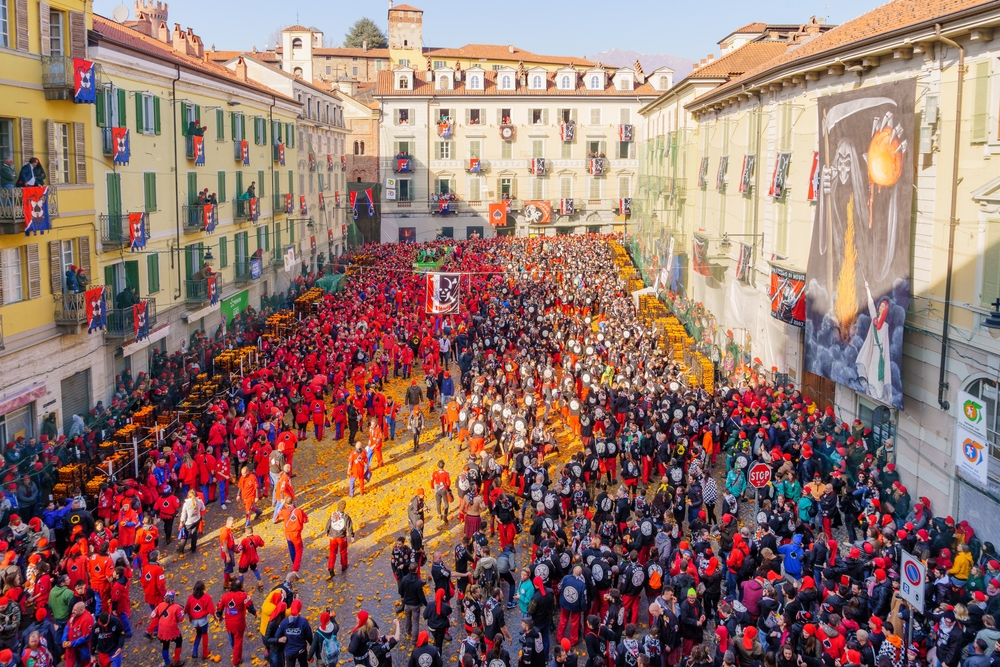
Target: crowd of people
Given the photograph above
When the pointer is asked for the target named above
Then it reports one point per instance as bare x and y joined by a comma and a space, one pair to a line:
600, 506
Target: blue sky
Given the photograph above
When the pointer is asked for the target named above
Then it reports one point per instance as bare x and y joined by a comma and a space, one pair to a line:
687, 29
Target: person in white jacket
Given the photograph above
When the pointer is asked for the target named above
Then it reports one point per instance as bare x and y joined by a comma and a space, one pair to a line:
190, 519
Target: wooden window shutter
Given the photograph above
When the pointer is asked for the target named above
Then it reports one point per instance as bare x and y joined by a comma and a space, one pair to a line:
55, 266
43, 23
102, 116
122, 100
572, 115
232, 123
991, 263
27, 139
83, 243
34, 271
156, 115
197, 112
545, 116
980, 103
256, 131
53, 153
138, 113
21, 15
80, 146
77, 35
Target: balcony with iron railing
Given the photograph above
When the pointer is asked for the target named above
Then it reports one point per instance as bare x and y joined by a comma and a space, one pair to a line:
241, 209
194, 217
238, 150
196, 291
12, 208
244, 270
71, 308
279, 205
121, 321
115, 228
276, 152
59, 78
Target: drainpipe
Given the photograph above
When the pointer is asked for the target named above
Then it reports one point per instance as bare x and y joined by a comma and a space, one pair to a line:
952, 220
270, 121
756, 192
177, 187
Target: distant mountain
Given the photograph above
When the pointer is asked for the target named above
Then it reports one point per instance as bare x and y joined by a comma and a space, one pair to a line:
618, 58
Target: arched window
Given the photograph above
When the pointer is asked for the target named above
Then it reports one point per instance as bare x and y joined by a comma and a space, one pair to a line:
362, 148
664, 82
565, 83
296, 43
298, 72
404, 83
506, 83
595, 82
444, 82
536, 82
474, 83
355, 148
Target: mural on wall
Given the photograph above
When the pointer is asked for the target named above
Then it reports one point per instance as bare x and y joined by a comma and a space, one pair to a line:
858, 275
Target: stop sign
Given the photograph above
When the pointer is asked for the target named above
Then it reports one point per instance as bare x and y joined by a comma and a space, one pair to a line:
759, 475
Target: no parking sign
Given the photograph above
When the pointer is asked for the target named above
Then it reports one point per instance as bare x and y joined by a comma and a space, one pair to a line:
911, 581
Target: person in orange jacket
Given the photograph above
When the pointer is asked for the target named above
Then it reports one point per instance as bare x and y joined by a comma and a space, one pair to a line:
146, 539
249, 493
375, 440
357, 468
318, 410
294, 520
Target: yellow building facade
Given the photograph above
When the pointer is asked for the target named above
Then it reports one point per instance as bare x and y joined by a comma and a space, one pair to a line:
48, 363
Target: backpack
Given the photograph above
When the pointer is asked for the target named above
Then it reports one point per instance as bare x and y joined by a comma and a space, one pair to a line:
488, 578
329, 653
813, 509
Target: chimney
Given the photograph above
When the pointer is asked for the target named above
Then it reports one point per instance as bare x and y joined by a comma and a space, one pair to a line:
429, 74
163, 32
195, 46
773, 34
510, 48
711, 57
364, 46
144, 25
241, 69
640, 75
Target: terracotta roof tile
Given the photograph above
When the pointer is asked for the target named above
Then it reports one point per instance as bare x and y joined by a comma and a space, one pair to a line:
421, 87
353, 53
503, 52
888, 18
740, 60
226, 56
295, 28
116, 33
407, 8
754, 28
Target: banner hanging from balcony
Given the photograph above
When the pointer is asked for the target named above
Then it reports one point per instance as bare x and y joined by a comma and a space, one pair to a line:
97, 313
371, 202
474, 167
443, 293
353, 197
329, 236
212, 284
444, 205
746, 173
537, 212
703, 173
781, 162
281, 154
140, 321
720, 177
444, 129
35, 200
625, 132
814, 175
322, 202
84, 89
538, 166
788, 296
625, 206
245, 153
336, 198
402, 165
596, 166
208, 217
329, 162
858, 287
343, 163
289, 207
136, 231
498, 215
198, 145
303, 207
566, 207
699, 256
567, 131
253, 209
312, 162
743, 263
120, 145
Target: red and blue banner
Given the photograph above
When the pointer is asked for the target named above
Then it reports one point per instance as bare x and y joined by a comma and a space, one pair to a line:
213, 289
322, 202
474, 166
281, 154
198, 143
444, 206
353, 196
371, 203
343, 163
329, 162
136, 231
140, 321
444, 129
303, 207
403, 165
253, 209
245, 152
336, 198
84, 89
312, 162
208, 217
625, 132
97, 313
120, 145
288, 203
36, 209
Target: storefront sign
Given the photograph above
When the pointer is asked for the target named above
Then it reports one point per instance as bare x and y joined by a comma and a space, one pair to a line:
971, 447
234, 305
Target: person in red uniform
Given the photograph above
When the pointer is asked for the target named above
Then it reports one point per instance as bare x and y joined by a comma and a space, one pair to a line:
167, 507
199, 607
249, 557
76, 636
146, 538
294, 520
318, 410
302, 418
227, 551
121, 600
165, 625
233, 609
154, 585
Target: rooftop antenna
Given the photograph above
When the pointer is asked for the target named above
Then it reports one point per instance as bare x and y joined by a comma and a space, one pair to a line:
120, 14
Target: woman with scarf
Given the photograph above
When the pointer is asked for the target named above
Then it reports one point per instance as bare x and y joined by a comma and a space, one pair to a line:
437, 616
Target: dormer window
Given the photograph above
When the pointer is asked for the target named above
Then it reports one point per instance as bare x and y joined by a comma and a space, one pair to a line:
565, 83
595, 82
536, 82
444, 82
475, 82
625, 83
403, 83
506, 82
664, 83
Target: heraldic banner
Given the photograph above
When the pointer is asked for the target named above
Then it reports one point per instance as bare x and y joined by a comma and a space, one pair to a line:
858, 275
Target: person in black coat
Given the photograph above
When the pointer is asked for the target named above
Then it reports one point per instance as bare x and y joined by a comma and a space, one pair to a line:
411, 591
692, 620
421, 649
437, 617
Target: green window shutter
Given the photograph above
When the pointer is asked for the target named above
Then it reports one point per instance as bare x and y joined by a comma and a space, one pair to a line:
192, 187
138, 113
277, 236
991, 263
260, 183
320, 174
220, 125
122, 100
222, 186
102, 120
291, 231
980, 104
232, 124
132, 275
223, 252
109, 276
291, 182
156, 115
277, 183
149, 191
267, 239
197, 113
260, 238
184, 118
153, 273
239, 184
256, 131
114, 193
189, 261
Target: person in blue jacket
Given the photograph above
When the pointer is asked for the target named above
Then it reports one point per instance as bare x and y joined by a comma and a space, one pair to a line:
295, 633
793, 554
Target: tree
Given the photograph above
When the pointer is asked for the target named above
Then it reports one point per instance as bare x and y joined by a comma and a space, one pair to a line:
365, 30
